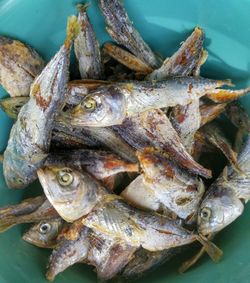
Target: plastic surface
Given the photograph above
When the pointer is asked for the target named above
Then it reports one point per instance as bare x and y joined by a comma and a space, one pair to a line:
163, 24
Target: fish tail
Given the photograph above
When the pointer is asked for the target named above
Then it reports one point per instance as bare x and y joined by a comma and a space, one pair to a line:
227, 95
73, 30
82, 7
211, 249
191, 261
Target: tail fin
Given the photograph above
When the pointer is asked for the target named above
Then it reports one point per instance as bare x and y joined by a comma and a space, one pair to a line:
212, 250
73, 30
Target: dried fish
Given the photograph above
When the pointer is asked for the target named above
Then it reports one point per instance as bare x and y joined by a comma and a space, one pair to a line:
86, 47
222, 203
111, 104
153, 129
44, 234
28, 211
185, 60
30, 136
121, 29
19, 65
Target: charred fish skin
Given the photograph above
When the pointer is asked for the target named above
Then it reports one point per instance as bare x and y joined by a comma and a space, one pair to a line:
184, 61
44, 234
19, 65
108, 255
72, 247
98, 163
223, 202
31, 134
86, 47
122, 31
145, 261
153, 129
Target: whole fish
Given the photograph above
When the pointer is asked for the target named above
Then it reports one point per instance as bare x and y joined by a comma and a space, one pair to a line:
153, 129
121, 29
71, 192
30, 136
138, 228
19, 65
44, 234
111, 104
28, 211
99, 163
126, 58
185, 60
86, 47
223, 202
170, 188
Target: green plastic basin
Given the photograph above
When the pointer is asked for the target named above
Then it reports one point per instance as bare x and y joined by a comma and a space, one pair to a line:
163, 24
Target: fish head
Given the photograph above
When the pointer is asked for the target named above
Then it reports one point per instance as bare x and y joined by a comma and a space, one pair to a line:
219, 208
104, 107
14, 177
44, 233
72, 193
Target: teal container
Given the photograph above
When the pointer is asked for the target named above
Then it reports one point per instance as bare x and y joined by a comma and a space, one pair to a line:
163, 24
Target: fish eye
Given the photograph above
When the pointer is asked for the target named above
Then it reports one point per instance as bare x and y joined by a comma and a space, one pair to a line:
65, 177
20, 181
205, 213
89, 104
44, 228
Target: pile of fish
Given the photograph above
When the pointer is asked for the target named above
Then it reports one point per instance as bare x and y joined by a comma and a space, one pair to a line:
121, 149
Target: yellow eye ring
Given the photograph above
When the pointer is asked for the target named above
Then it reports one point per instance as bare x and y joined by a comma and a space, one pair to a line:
205, 213
65, 177
89, 104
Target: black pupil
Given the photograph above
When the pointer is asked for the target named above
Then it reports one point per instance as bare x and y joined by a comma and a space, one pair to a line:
204, 214
44, 228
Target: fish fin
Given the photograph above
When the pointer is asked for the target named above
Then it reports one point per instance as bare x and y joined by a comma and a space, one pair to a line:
5, 226
226, 95
109, 182
82, 7
225, 174
73, 30
1, 158
191, 261
211, 249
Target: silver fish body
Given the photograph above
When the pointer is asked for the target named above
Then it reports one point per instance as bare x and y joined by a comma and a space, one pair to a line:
111, 104
30, 136
86, 48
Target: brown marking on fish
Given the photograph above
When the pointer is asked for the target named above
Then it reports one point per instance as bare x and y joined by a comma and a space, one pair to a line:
183, 201
40, 101
190, 87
